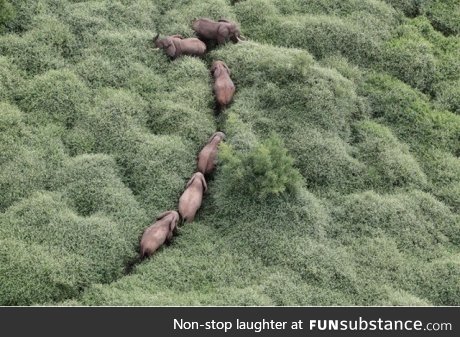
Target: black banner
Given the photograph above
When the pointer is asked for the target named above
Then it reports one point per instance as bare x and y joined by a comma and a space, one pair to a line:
231, 321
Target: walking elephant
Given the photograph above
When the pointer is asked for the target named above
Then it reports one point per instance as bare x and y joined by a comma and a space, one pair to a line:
220, 31
208, 155
223, 87
158, 233
190, 200
176, 46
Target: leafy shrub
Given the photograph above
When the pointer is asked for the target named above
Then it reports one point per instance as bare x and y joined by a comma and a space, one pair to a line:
406, 217
24, 11
444, 15
12, 129
320, 34
48, 45
36, 153
10, 80
92, 185
411, 59
55, 97
32, 274
410, 8
409, 114
439, 281
326, 161
95, 242
443, 169
448, 96
7, 12
264, 171
390, 163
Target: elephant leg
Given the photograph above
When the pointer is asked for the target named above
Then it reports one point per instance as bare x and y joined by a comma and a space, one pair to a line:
222, 34
220, 39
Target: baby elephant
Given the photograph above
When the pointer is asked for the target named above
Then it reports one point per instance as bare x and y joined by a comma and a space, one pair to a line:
176, 46
160, 232
208, 156
224, 89
190, 201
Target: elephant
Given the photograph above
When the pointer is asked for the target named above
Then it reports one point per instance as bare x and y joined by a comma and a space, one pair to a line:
158, 233
220, 31
190, 200
223, 87
176, 45
208, 155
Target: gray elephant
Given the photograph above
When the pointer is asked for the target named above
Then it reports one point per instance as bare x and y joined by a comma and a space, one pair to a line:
207, 157
176, 45
223, 87
220, 31
158, 233
190, 200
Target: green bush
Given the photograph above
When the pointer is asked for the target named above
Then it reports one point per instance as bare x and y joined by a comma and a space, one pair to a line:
92, 185
156, 170
443, 169
265, 171
12, 129
35, 153
406, 217
439, 281
326, 161
443, 14
95, 242
33, 274
24, 11
48, 45
55, 97
390, 164
321, 34
10, 80
448, 96
410, 8
410, 116
410, 58
7, 13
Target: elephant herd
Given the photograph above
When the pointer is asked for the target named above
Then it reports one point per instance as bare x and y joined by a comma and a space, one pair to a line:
209, 31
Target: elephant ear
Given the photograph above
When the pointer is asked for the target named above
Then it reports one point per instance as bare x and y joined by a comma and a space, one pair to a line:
173, 224
212, 137
190, 181
162, 215
171, 48
215, 70
203, 181
226, 67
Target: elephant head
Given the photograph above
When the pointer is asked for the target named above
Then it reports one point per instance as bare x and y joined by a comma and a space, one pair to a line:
173, 221
200, 176
165, 43
217, 67
218, 136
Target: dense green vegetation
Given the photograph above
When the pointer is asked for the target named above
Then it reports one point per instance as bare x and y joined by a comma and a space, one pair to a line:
339, 179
